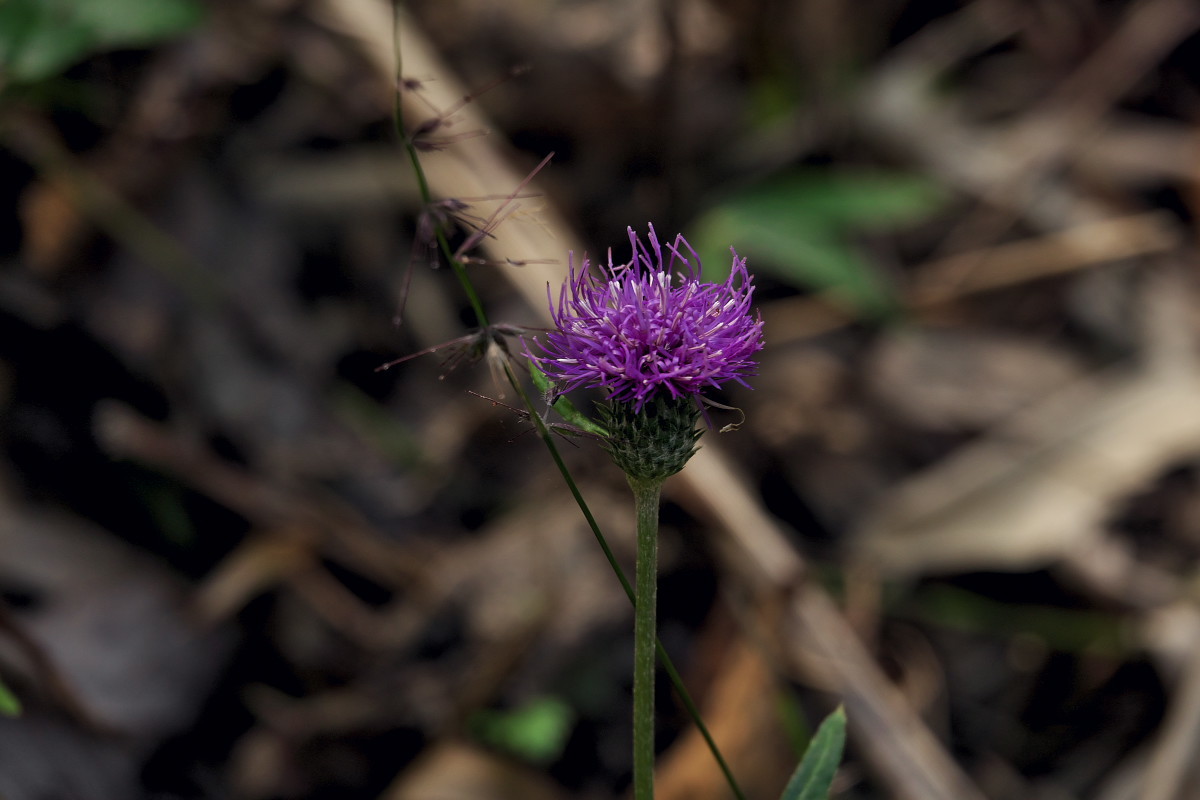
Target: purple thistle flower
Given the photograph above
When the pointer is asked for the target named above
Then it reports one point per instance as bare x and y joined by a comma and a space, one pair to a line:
651, 328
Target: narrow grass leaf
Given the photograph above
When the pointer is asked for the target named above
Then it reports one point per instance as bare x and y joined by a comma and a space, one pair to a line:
814, 776
565, 408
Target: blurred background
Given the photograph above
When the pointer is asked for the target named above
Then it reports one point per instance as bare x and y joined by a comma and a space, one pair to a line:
239, 561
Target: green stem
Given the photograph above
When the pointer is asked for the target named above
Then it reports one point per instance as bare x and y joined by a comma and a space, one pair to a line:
456, 266
645, 497
546, 437
668, 665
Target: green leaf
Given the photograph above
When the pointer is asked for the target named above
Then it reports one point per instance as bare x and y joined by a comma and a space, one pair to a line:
136, 23
846, 200
814, 775
41, 38
10, 706
543, 384
38, 40
537, 731
800, 229
798, 254
565, 408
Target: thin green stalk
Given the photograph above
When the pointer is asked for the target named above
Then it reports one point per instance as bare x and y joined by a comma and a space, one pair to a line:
414, 156
645, 497
668, 665
545, 435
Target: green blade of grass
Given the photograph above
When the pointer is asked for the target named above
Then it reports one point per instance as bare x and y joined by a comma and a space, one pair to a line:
814, 776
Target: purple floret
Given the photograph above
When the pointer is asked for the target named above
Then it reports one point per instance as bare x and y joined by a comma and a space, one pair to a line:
651, 327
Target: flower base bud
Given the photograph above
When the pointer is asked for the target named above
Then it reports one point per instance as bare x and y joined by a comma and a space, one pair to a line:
655, 442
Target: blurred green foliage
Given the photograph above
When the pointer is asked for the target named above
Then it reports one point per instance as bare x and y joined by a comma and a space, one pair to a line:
1064, 630
536, 731
10, 706
164, 501
374, 423
41, 38
800, 228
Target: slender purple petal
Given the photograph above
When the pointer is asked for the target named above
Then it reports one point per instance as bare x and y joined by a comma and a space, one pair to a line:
649, 328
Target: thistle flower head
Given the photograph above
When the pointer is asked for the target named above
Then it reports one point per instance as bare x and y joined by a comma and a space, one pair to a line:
651, 328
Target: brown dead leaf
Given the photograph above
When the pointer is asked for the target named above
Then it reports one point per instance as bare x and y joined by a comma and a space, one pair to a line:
1041, 485
962, 379
255, 566
458, 771
52, 226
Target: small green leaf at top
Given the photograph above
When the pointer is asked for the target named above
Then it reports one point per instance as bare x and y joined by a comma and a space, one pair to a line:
814, 776
10, 706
